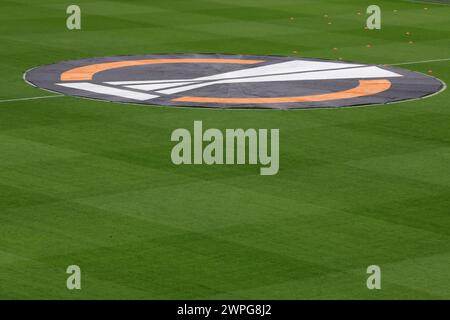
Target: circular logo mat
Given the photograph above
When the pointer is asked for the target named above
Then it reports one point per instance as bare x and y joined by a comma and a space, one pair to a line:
232, 81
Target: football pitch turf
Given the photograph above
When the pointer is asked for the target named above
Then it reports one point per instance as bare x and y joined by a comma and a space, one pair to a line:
91, 183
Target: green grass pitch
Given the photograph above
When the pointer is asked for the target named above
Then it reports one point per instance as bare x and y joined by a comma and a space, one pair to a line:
91, 183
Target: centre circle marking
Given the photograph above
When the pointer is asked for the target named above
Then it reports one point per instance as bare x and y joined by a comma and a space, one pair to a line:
232, 81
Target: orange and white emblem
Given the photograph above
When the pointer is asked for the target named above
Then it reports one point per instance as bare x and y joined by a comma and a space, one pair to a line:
232, 81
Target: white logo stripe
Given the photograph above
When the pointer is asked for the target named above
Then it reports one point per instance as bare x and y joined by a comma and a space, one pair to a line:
359, 73
150, 87
284, 67
272, 69
86, 86
120, 83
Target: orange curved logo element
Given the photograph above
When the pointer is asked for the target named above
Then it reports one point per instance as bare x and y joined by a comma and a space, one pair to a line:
365, 88
88, 72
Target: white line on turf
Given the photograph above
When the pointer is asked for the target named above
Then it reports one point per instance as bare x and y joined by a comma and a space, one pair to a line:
417, 62
31, 98
428, 2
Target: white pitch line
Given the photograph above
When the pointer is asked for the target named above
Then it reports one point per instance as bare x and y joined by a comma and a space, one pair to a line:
428, 2
31, 98
417, 62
